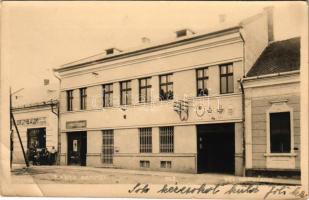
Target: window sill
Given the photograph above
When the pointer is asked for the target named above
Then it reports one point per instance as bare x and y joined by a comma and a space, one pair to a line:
215, 96
108, 107
166, 100
280, 154
144, 103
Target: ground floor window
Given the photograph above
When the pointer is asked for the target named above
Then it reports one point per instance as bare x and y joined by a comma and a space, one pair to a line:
108, 147
167, 139
145, 140
280, 132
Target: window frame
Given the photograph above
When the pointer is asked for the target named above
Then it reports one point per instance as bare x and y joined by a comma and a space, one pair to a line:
144, 164
201, 79
70, 98
146, 147
126, 91
108, 93
164, 164
169, 147
146, 87
166, 84
109, 134
226, 76
270, 131
83, 98
279, 107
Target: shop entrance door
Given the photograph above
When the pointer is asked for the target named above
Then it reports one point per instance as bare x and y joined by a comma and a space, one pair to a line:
36, 141
77, 148
216, 148
36, 138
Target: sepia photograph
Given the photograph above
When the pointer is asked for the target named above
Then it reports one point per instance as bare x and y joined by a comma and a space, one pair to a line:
158, 99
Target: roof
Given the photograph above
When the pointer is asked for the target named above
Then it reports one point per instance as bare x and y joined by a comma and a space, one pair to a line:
44, 104
35, 95
277, 57
102, 57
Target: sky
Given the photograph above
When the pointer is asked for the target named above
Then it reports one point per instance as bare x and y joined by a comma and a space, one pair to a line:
40, 36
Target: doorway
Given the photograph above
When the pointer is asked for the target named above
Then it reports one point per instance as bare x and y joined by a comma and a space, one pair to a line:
216, 148
36, 138
77, 148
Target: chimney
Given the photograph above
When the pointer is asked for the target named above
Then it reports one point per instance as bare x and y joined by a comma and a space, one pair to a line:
46, 82
184, 32
222, 18
270, 22
111, 51
145, 40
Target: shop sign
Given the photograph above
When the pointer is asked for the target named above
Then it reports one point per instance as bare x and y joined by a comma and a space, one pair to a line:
31, 121
76, 124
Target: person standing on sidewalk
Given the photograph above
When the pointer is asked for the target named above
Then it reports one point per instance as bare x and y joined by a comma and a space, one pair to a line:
53, 153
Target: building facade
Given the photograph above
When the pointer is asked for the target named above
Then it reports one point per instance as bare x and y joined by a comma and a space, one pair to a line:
36, 120
272, 93
174, 106
37, 125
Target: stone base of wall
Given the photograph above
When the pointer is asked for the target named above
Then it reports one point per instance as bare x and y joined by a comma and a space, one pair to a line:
63, 159
186, 164
178, 163
275, 173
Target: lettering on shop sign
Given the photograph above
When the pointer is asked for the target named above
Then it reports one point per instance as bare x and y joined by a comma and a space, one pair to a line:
31, 121
76, 124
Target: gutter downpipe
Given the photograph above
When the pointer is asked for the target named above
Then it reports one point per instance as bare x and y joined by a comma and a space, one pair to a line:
58, 111
243, 106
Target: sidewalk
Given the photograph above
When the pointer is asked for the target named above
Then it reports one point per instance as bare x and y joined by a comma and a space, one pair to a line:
77, 174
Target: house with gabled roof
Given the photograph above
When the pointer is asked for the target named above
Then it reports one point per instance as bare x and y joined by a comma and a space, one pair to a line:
272, 107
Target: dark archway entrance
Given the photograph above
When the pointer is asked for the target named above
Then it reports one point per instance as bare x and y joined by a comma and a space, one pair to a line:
216, 148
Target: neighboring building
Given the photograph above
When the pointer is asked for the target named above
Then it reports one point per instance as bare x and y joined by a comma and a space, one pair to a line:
35, 113
123, 110
272, 93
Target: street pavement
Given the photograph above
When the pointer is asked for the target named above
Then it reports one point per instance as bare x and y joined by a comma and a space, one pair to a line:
92, 175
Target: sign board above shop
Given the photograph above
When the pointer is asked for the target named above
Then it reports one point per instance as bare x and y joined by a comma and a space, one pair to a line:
76, 124
37, 121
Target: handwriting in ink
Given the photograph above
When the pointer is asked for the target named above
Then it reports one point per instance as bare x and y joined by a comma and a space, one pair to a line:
243, 189
277, 190
189, 190
139, 188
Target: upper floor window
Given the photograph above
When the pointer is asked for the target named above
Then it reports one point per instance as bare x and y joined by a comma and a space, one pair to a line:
83, 98
166, 87
280, 132
125, 93
167, 139
226, 79
108, 95
69, 100
144, 90
202, 78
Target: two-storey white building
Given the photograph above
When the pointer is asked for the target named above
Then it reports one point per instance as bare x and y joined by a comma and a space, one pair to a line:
174, 106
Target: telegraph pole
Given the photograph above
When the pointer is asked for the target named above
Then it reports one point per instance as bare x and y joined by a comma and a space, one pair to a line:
11, 133
13, 122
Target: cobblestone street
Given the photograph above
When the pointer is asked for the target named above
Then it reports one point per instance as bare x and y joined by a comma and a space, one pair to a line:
90, 175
